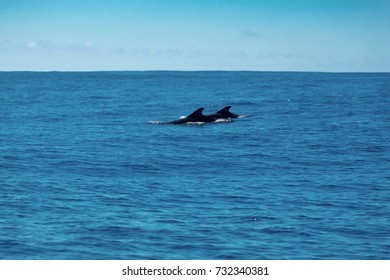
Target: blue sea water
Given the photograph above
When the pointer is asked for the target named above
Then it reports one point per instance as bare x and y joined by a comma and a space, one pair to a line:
84, 174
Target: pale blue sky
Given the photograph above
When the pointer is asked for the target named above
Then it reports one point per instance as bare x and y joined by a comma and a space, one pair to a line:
277, 35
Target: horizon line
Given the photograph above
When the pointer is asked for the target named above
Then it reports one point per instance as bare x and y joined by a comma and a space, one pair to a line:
186, 70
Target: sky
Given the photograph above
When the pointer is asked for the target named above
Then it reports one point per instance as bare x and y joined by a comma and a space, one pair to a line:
262, 35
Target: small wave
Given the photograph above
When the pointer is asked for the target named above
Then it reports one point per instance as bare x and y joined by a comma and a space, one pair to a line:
200, 123
223, 120
195, 123
188, 123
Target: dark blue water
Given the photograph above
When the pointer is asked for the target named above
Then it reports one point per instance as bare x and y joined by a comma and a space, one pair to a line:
85, 175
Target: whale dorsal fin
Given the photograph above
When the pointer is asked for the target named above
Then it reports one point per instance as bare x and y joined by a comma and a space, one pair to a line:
196, 113
225, 110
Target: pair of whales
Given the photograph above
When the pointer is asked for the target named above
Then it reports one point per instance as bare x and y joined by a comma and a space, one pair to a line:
197, 116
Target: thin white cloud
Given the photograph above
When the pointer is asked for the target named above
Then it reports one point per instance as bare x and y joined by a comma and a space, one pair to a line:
133, 51
169, 52
32, 45
89, 45
49, 46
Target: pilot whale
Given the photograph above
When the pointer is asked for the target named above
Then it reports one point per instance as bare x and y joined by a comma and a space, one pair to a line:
223, 114
196, 116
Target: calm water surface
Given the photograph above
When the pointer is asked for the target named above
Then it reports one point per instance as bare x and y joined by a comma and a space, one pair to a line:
84, 174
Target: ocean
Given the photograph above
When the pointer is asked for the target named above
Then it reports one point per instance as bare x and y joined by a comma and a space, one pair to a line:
86, 171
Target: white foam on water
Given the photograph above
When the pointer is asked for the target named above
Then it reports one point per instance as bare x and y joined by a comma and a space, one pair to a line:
195, 123
223, 120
